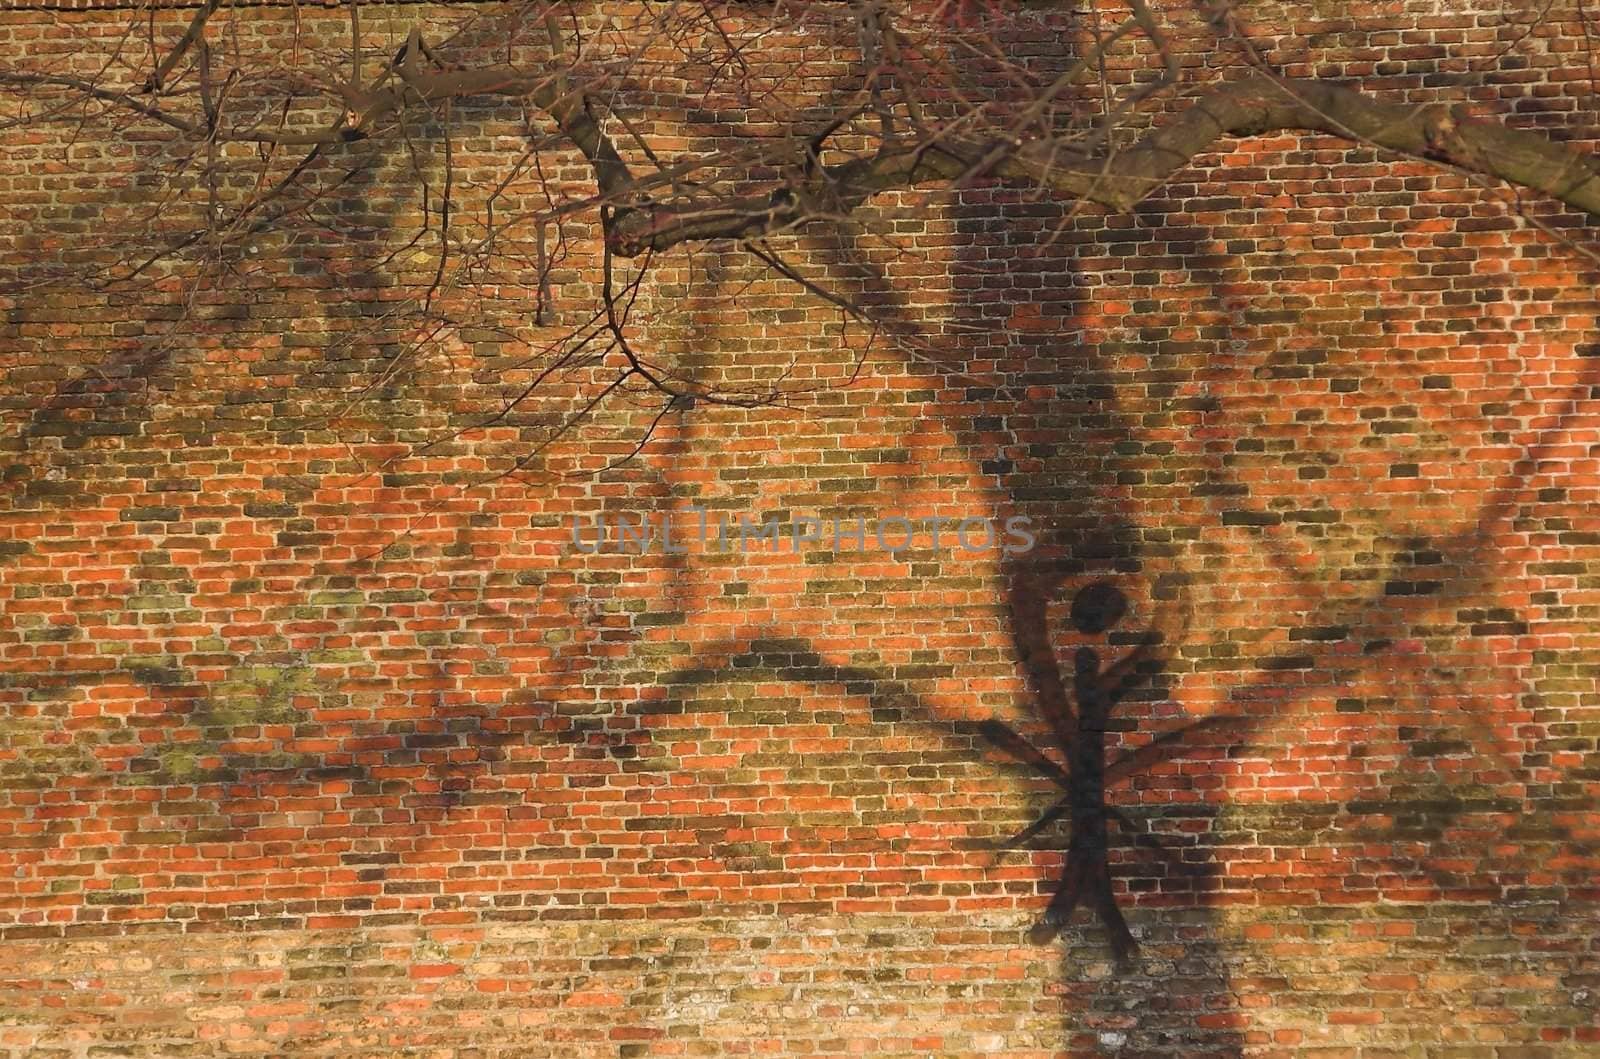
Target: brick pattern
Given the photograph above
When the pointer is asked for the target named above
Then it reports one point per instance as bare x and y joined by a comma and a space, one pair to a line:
1363, 981
321, 734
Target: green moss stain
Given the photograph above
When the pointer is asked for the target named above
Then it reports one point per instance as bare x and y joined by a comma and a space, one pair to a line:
206, 745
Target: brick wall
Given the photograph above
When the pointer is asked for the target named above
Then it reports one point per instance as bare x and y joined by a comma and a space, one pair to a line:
321, 733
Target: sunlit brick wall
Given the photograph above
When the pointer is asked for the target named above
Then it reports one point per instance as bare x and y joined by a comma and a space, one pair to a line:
326, 728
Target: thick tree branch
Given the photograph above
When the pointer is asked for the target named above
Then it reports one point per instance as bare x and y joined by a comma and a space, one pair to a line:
116, 97
197, 25
1119, 181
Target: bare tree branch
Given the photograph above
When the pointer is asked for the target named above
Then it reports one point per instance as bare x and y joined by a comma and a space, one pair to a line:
197, 26
1119, 181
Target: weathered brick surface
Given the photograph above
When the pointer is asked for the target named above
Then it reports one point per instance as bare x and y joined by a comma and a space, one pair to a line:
320, 736
1320, 981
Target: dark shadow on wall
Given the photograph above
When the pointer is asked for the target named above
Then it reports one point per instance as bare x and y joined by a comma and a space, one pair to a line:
1032, 394
1043, 417
1070, 456
1085, 435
